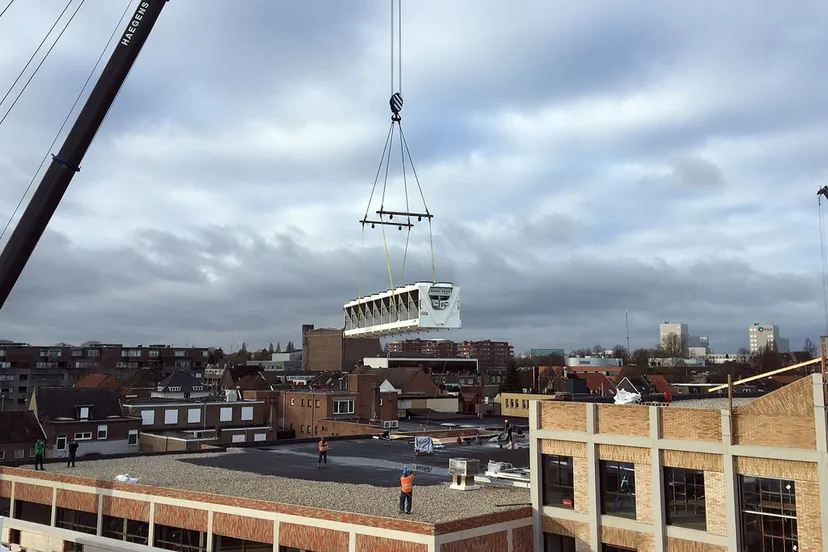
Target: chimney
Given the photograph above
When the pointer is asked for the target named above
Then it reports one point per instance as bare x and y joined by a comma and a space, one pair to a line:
375, 388
535, 383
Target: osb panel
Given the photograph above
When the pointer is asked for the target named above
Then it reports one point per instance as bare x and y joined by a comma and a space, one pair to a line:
33, 493
245, 528
365, 543
312, 538
186, 518
564, 448
493, 542
125, 508
779, 469
808, 520
522, 539
580, 476
693, 460
5, 489
618, 453
73, 500
627, 539
565, 527
691, 424
644, 493
751, 428
563, 416
715, 503
624, 419
681, 545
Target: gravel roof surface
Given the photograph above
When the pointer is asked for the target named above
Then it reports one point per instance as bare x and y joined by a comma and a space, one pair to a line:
716, 402
435, 503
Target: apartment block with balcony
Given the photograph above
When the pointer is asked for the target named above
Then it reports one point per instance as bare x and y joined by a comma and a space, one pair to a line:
489, 354
693, 476
25, 367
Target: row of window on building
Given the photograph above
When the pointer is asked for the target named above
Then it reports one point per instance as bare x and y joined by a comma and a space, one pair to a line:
767, 506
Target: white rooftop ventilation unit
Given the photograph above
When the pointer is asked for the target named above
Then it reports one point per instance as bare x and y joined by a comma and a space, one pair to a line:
418, 307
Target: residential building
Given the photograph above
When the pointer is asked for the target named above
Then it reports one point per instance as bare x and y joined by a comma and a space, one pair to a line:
231, 502
463, 371
180, 385
24, 367
761, 336
19, 431
540, 353
327, 350
690, 476
327, 413
92, 417
603, 365
489, 354
442, 348
170, 425
91, 381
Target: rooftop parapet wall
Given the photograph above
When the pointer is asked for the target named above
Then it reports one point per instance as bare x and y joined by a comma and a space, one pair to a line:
624, 420
563, 416
769, 420
692, 424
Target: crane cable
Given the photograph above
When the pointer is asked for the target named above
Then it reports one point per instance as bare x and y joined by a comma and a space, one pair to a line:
6, 8
45, 57
68, 116
824, 258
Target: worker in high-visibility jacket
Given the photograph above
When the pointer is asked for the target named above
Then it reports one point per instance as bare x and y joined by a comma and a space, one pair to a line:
406, 489
323, 452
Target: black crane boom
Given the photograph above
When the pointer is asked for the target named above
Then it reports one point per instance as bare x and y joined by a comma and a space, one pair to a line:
67, 162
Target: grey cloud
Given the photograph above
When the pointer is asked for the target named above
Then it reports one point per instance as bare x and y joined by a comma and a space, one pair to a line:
695, 172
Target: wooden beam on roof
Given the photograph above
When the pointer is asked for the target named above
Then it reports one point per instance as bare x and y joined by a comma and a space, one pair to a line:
767, 374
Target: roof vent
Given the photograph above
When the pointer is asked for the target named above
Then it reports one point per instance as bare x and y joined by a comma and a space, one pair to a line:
462, 472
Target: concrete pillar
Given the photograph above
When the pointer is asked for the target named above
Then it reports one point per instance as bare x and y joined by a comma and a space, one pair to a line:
593, 478
658, 506
535, 480
822, 447
731, 485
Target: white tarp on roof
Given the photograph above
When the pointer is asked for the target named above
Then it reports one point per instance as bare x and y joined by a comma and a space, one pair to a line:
625, 397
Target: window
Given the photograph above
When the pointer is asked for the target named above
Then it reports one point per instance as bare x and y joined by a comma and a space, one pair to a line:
193, 415
292, 402
2, 456
684, 496
182, 540
558, 543
610, 548
768, 514
103, 432
154, 353
148, 417
238, 438
317, 403
125, 529
170, 417
84, 413
83, 436
226, 414
558, 484
310, 430
247, 413
19, 453
256, 437
132, 438
617, 488
343, 407
303, 402
175, 389
60, 443
75, 520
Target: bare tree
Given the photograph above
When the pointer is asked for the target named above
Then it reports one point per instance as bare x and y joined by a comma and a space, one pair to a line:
674, 345
619, 351
597, 349
809, 348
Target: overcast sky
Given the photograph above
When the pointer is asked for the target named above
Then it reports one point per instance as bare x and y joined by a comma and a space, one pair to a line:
580, 159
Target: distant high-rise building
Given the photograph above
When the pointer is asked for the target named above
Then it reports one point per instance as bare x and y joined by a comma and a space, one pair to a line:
678, 328
764, 335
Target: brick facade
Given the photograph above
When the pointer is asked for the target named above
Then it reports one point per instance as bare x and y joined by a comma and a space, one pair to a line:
774, 436
493, 542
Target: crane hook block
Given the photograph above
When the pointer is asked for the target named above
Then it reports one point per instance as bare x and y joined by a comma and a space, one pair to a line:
396, 103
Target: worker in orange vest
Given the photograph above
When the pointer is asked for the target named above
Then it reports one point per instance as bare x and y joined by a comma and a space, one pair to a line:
323, 452
407, 488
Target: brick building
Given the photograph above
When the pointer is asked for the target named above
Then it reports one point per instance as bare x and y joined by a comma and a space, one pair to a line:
327, 350
321, 413
438, 348
490, 354
24, 367
90, 416
688, 477
228, 502
18, 433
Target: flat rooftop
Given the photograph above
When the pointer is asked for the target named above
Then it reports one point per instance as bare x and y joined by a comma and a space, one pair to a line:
362, 477
717, 403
